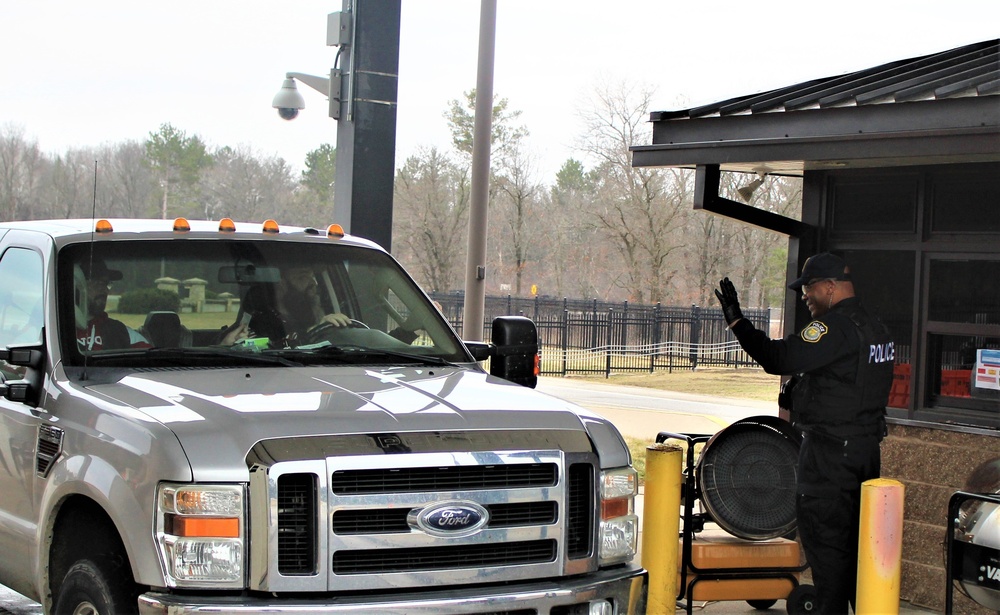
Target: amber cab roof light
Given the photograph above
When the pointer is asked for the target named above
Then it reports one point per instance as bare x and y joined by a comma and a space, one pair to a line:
335, 231
226, 225
181, 225
270, 226
103, 226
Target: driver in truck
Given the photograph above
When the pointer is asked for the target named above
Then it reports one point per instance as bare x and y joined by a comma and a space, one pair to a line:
283, 310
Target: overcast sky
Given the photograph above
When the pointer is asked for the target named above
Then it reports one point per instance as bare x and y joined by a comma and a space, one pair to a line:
82, 73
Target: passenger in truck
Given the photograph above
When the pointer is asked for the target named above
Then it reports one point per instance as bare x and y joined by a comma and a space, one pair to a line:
95, 330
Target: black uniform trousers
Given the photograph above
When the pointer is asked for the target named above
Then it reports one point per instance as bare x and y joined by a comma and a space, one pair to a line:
830, 474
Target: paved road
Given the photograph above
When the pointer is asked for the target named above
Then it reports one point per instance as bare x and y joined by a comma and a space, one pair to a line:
642, 413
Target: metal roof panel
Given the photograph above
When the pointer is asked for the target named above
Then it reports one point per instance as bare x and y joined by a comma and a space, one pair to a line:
955, 72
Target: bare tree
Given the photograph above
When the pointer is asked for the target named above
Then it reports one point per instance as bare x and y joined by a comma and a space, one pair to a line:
241, 183
755, 272
707, 255
640, 209
20, 172
69, 186
518, 211
430, 215
126, 186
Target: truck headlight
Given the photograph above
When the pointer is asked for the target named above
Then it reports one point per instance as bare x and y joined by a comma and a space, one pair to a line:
200, 532
619, 526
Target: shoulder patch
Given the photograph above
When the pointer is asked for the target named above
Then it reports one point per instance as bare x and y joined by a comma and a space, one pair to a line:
814, 331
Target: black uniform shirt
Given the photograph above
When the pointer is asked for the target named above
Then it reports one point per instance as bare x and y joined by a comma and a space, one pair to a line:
828, 344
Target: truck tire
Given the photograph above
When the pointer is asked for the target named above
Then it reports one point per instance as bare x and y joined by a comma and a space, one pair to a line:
87, 589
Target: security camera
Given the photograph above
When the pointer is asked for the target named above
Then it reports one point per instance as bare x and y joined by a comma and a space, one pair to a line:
288, 101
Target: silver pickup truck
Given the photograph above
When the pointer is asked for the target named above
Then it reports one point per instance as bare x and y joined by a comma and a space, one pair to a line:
217, 417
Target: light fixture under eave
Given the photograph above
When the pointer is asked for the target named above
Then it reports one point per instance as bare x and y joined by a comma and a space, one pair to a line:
747, 191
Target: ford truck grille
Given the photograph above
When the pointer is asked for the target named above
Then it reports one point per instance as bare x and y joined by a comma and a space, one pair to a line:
454, 478
378, 561
347, 522
296, 524
366, 522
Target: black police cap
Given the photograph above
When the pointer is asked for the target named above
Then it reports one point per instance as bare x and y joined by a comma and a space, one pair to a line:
823, 266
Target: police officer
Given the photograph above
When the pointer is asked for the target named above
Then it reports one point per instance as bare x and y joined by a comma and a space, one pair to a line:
843, 359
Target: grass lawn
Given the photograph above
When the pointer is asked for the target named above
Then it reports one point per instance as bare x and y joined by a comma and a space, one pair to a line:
204, 320
738, 383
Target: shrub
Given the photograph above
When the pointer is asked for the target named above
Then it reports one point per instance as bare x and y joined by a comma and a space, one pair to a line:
148, 300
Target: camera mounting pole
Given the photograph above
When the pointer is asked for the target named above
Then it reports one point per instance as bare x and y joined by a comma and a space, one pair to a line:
363, 97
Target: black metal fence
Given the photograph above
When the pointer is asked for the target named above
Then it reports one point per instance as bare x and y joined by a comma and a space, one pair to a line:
599, 337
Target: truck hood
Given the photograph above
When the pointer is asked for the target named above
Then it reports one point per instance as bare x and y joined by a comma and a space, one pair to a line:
219, 414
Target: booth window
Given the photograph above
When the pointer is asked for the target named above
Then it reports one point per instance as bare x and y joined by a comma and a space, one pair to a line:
965, 202
876, 204
963, 337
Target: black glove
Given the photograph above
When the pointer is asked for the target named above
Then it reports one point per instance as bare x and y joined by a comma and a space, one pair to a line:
729, 301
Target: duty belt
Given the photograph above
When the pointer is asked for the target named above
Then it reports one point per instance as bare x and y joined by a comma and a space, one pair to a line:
842, 433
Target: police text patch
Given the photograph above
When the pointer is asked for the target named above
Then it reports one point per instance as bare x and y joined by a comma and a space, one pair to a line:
814, 331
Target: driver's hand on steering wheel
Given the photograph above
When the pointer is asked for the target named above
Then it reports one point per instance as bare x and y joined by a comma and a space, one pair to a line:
336, 319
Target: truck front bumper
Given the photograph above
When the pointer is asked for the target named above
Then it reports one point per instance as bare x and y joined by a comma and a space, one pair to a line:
624, 588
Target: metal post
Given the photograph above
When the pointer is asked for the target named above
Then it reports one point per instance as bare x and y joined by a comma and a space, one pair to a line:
880, 546
565, 338
366, 128
695, 336
661, 525
475, 268
608, 342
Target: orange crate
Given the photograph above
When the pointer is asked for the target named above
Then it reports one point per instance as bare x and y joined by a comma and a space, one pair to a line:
730, 555
956, 382
899, 394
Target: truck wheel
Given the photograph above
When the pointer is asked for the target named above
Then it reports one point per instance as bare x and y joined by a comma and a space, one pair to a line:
88, 590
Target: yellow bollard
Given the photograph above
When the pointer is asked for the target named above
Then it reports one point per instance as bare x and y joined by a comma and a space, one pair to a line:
880, 546
661, 524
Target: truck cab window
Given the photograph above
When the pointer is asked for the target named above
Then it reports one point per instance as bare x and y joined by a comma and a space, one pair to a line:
21, 289
20, 297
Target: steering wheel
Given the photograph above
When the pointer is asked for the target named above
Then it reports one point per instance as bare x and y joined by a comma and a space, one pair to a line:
323, 331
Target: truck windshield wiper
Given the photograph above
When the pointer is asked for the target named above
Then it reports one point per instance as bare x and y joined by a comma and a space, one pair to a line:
360, 354
171, 353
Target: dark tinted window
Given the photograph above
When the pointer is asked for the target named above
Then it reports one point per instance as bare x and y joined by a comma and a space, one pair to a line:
966, 291
875, 205
966, 204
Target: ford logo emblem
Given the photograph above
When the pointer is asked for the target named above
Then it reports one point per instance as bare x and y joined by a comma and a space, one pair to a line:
449, 518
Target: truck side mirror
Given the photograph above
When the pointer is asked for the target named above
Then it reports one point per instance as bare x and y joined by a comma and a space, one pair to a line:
31, 356
24, 355
516, 355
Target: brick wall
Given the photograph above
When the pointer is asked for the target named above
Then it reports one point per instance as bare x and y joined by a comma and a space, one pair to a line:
932, 464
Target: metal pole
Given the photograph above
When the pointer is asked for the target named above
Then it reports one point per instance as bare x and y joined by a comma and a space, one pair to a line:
366, 128
475, 269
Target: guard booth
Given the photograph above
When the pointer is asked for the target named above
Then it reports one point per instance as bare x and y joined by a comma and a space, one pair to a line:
900, 165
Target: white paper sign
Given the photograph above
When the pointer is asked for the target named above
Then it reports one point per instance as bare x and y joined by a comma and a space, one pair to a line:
987, 374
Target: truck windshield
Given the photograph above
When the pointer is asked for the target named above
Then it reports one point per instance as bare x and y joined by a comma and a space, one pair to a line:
123, 302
